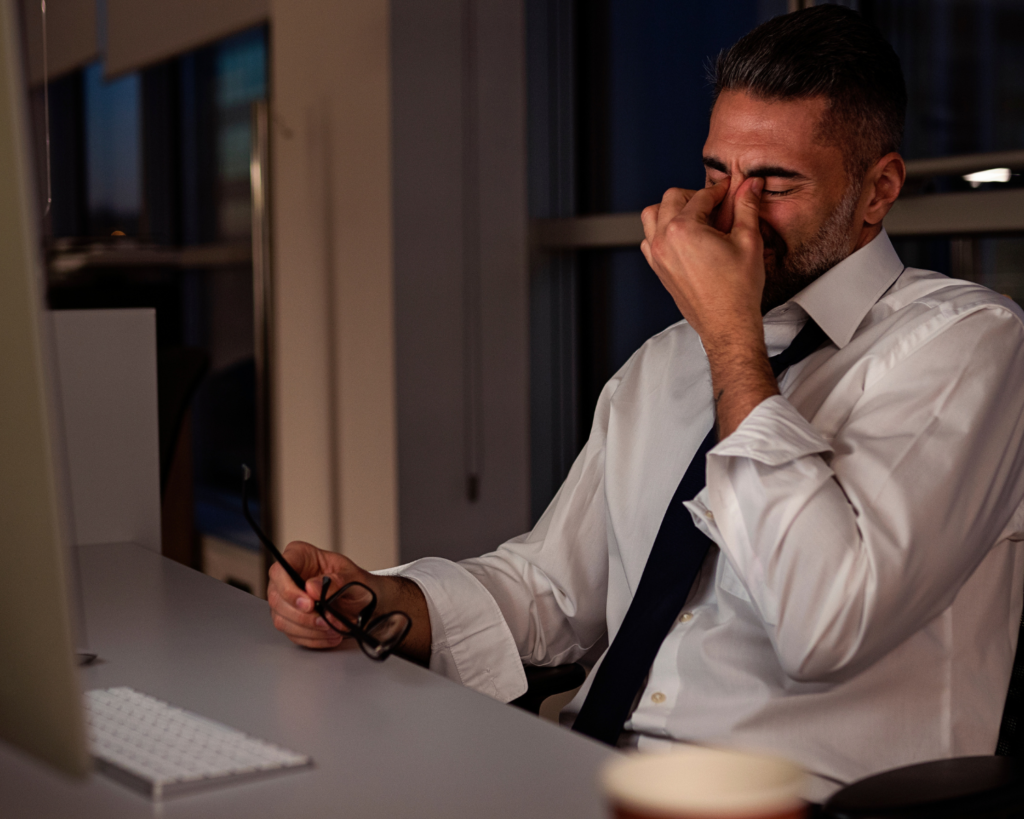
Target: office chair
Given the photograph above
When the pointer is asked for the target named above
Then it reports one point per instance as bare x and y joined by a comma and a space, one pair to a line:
546, 682
980, 787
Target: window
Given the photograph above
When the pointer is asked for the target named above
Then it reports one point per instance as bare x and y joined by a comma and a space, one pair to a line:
152, 208
618, 113
964, 68
112, 150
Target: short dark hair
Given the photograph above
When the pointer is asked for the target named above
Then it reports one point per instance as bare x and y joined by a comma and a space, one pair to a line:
830, 52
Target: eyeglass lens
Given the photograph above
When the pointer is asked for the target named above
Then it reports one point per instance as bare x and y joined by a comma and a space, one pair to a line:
353, 601
388, 631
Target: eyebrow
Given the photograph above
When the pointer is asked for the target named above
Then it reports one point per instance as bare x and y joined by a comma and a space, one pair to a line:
761, 170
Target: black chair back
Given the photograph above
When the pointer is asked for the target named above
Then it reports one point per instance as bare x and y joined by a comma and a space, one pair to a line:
1011, 729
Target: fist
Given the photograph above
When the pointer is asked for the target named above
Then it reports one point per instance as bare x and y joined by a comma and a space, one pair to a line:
715, 278
292, 608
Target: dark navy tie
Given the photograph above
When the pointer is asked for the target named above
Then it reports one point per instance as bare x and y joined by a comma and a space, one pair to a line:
675, 559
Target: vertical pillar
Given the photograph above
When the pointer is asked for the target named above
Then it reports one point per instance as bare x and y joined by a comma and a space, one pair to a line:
333, 359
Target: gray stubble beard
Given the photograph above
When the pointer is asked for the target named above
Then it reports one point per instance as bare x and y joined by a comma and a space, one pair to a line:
793, 269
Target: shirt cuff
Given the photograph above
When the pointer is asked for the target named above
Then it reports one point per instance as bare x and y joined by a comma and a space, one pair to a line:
774, 433
469, 639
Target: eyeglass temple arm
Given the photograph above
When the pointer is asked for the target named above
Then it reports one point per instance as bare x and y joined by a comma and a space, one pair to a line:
294, 575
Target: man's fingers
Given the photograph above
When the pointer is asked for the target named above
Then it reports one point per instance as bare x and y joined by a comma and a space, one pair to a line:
649, 219
282, 581
319, 645
298, 632
303, 557
307, 560
286, 590
704, 201
307, 630
315, 584
672, 203
747, 209
314, 587
300, 615
645, 248
694, 206
293, 614
320, 640
293, 609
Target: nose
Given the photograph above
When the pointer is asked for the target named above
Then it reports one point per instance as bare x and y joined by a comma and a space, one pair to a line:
724, 217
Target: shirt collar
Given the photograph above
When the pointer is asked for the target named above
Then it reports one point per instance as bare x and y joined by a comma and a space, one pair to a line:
840, 298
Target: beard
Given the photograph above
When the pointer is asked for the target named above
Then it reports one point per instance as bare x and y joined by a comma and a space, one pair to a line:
788, 270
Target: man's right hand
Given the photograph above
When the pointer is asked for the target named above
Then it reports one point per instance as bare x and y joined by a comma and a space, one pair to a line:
292, 608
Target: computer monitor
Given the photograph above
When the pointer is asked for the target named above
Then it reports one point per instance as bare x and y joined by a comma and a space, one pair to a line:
40, 699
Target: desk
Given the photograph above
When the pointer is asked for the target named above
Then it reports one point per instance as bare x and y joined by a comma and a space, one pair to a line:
389, 740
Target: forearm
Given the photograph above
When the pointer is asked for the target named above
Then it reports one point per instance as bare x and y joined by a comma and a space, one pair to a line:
741, 376
851, 537
829, 579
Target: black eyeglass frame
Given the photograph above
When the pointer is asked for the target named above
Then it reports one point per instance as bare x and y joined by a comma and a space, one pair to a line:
360, 629
363, 627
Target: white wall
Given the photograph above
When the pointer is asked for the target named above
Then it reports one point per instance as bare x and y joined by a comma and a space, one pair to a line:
333, 381
461, 282
106, 380
399, 263
400, 275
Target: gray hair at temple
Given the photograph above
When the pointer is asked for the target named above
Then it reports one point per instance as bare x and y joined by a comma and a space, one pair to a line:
831, 52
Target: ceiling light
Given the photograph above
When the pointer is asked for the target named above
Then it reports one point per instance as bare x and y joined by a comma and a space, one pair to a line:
991, 175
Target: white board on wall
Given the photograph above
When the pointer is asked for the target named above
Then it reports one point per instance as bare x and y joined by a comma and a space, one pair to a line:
106, 374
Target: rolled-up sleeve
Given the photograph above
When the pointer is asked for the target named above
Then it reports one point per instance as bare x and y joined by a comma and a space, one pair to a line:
538, 599
469, 639
848, 545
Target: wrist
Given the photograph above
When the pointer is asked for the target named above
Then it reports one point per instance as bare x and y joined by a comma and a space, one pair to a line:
741, 338
741, 378
396, 593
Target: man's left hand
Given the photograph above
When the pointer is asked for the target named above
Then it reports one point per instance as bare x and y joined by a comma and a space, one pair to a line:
716, 279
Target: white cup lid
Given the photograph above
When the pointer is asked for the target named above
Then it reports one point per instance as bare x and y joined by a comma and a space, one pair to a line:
707, 781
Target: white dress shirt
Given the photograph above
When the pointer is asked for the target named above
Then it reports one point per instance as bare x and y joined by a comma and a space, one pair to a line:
861, 610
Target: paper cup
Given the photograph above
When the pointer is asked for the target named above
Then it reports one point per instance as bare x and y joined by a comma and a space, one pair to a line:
703, 783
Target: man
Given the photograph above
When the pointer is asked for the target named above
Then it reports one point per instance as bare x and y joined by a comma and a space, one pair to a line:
857, 610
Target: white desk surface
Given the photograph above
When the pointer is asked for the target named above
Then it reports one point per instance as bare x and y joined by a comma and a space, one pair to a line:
388, 740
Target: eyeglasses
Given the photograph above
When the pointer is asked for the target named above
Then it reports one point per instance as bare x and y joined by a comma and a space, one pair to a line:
352, 606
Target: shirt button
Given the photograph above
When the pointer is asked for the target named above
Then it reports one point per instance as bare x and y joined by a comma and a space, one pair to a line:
657, 698
686, 617
709, 515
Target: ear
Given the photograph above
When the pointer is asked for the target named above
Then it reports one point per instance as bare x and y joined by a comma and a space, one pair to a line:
882, 185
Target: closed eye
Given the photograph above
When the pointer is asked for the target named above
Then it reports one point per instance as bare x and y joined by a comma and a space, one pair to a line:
778, 193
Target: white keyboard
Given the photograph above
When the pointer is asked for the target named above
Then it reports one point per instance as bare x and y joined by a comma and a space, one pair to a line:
162, 750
